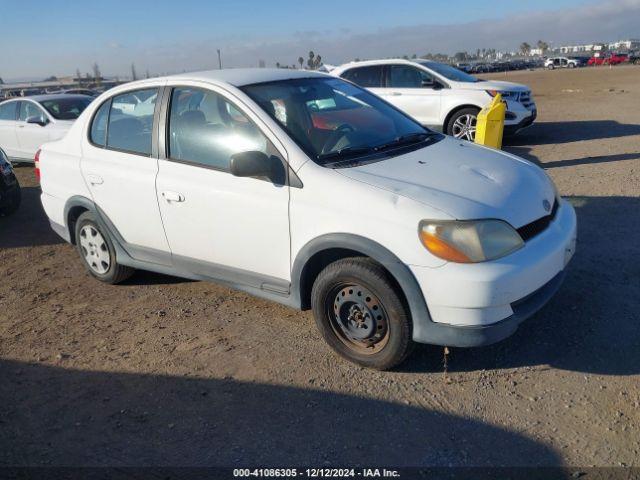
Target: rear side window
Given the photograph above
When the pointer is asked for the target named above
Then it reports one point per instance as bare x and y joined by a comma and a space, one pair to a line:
131, 121
368, 77
99, 125
8, 111
205, 129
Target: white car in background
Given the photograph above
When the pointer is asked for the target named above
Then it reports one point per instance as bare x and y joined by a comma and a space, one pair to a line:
28, 122
562, 62
440, 96
308, 190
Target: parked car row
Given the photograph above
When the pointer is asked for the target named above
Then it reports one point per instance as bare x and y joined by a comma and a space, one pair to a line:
498, 66
309, 190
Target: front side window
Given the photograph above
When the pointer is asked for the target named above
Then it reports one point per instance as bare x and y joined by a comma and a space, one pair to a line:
451, 73
8, 111
405, 76
30, 110
331, 119
367, 77
130, 124
206, 129
66, 108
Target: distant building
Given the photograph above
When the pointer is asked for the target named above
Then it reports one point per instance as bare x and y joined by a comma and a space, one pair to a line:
631, 44
536, 52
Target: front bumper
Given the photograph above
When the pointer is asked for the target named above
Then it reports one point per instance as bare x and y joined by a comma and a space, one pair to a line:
479, 304
521, 116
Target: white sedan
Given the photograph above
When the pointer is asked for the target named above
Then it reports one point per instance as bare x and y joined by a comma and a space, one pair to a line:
28, 122
308, 190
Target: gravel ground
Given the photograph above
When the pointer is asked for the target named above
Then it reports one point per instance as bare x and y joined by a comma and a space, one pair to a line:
163, 371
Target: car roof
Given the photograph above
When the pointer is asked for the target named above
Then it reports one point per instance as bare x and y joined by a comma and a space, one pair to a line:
245, 76
385, 61
49, 96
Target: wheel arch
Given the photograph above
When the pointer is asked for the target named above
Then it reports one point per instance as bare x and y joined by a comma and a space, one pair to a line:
75, 207
321, 251
455, 110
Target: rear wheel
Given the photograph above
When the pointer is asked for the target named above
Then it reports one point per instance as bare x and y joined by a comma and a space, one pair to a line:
97, 252
462, 124
361, 314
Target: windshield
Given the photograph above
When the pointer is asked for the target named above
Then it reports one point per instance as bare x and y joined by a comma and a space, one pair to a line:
452, 73
66, 108
332, 119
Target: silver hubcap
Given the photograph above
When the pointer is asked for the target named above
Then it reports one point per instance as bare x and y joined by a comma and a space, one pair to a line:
464, 127
94, 249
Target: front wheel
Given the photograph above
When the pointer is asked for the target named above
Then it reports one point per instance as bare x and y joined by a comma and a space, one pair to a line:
462, 124
361, 314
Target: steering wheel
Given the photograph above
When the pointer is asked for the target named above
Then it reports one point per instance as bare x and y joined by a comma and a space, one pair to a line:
335, 137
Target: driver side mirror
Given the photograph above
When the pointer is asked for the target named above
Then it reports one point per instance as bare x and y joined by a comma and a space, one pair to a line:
38, 121
431, 84
258, 164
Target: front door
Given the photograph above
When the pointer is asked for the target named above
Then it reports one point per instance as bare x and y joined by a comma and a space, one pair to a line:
219, 225
415, 92
31, 136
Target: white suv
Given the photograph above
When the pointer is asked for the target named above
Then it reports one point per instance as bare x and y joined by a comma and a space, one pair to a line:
440, 96
308, 190
561, 62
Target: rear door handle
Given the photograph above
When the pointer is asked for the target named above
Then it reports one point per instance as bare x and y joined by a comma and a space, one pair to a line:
170, 196
396, 94
94, 179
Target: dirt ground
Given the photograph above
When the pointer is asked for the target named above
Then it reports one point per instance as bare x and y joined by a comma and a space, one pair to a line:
163, 371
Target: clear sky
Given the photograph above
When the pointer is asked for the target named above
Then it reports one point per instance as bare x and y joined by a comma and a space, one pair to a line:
56, 37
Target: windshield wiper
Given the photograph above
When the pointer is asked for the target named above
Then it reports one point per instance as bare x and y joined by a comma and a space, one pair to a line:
404, 140
345, 153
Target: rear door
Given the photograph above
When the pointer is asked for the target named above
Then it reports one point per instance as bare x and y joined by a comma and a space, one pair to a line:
119, 165
370, 77
8, 138
31, 135
415, 92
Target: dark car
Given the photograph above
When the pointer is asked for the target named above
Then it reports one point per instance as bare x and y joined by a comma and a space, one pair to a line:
9, 187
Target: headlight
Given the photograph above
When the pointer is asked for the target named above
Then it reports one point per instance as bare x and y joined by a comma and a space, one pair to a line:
469, 241
505, 95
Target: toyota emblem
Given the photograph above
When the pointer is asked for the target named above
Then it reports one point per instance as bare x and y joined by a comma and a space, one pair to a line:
546, 205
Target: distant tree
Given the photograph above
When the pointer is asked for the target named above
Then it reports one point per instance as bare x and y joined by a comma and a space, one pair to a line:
525, 48
301, 62
414, 56
543, 46
134, 74
277, 64
52, 78
1, 81
314, 61
97, 76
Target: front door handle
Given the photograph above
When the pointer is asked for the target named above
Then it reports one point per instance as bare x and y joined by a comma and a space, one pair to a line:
95, 179
396, 94
170, 196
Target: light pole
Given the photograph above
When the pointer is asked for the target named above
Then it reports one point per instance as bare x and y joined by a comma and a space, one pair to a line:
219, 60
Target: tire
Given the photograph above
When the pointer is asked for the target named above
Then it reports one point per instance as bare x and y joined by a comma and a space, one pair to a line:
97, 253
360, 313
551, 67
13, 202
572, 65
459, 121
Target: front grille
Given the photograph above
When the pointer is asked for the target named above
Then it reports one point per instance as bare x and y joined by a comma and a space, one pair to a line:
530, 230
525, 99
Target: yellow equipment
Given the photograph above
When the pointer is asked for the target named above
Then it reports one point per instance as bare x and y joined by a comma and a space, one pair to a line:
490, 124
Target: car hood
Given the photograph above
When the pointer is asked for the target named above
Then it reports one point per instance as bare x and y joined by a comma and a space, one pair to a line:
465, 181
493, 85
